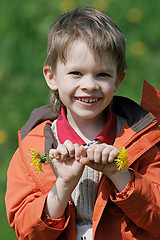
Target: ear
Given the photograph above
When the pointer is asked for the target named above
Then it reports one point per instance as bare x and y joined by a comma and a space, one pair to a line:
49, 77
117, 85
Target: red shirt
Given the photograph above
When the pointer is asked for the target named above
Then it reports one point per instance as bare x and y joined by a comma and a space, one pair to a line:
66, 132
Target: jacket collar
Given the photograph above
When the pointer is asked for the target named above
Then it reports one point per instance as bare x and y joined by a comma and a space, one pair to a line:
137, 117
37, 116
151, 100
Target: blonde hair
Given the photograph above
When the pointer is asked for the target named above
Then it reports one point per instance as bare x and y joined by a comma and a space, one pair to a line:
100, 33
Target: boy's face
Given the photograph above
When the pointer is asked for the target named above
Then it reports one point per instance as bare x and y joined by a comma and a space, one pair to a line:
86, 85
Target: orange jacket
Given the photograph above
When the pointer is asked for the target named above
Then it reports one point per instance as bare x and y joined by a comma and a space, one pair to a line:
133, 213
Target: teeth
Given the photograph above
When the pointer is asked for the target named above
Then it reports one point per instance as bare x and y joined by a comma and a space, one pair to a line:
87, 100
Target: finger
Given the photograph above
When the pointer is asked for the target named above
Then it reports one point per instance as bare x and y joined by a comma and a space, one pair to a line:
112, 155
97, 155
70, 148
84, 160
79, 152
61, 152
52, 152
52, 155
94, 153
90, 153
105, 155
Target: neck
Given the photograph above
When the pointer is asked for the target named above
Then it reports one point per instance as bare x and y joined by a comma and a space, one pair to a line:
87, 129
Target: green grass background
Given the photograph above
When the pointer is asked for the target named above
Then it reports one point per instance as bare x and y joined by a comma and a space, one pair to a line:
24, 28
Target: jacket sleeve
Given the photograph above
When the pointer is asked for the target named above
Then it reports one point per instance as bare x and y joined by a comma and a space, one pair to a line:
140, 200
25, 205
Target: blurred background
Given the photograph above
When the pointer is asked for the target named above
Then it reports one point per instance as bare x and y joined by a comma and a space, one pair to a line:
24, 27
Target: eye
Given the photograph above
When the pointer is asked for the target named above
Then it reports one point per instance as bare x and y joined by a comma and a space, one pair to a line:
75, 73
103, 74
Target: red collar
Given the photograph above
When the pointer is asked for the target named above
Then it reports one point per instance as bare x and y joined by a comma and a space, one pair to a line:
66, 132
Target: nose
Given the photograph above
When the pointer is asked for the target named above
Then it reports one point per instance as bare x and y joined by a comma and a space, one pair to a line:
89, 83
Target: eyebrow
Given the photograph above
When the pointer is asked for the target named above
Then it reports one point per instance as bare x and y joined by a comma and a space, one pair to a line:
98, 69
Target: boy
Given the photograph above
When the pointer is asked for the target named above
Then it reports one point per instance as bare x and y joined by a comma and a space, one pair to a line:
86, 197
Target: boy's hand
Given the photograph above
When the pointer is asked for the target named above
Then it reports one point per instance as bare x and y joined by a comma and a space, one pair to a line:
68, 172
65, 166
101, 158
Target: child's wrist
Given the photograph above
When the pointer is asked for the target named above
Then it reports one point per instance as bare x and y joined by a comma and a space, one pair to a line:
66, 187
120, 179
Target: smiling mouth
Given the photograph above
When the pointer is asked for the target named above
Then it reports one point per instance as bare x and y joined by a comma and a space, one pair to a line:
87, 100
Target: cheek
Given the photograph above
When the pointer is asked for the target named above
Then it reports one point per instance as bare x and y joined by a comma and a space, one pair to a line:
65, 93
108, 93
108, 89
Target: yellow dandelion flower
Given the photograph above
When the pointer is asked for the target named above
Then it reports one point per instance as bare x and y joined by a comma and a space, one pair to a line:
38, 159
122, 159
